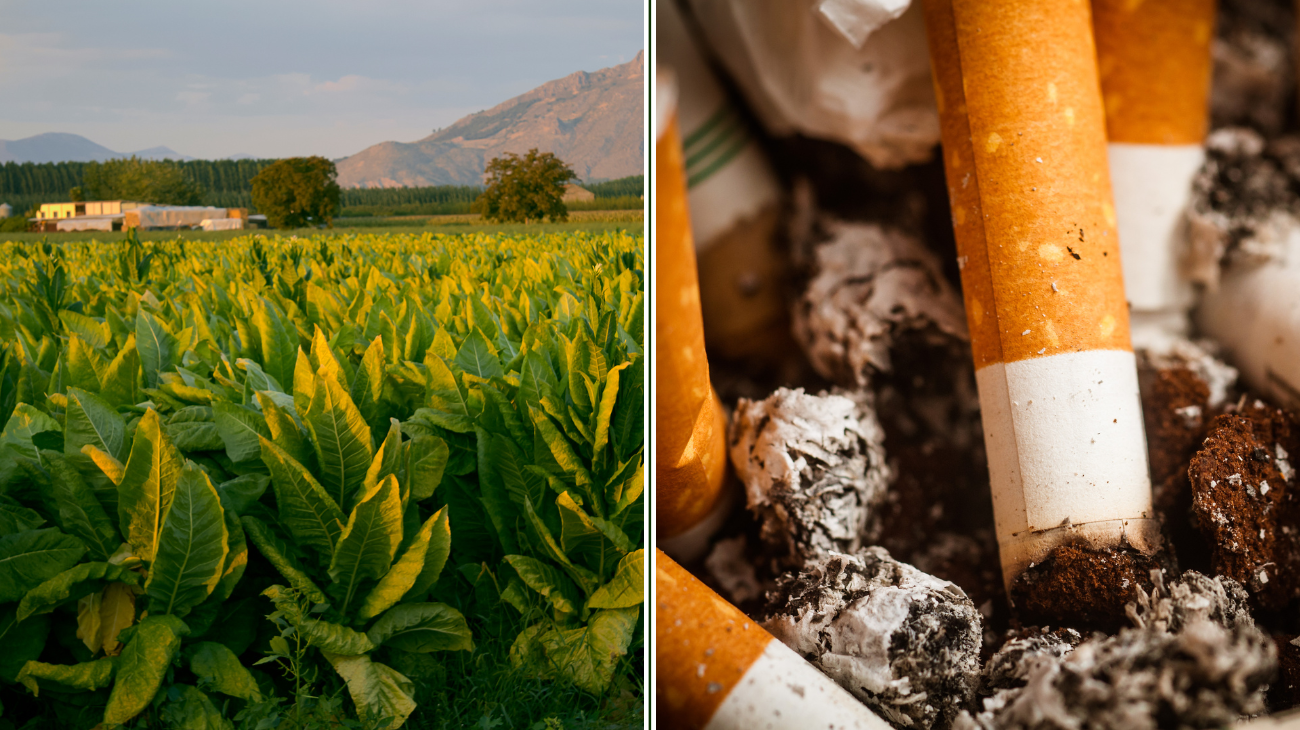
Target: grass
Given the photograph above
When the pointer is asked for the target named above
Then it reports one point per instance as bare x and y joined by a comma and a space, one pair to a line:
597, 221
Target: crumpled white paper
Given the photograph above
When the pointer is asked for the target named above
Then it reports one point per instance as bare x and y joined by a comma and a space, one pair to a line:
852, 71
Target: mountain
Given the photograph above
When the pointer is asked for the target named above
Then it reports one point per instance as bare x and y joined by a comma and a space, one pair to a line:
595, 122
61, 147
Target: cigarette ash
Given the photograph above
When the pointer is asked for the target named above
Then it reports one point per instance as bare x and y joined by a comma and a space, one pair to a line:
732, 571
870, 286
1193, 658
1244, 501
1243, 201
1254, 75
904, 642
1182, 390
1013, 664
814, 470
1082, 586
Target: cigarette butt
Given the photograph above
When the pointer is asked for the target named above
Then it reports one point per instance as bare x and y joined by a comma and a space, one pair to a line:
734, 200
691, 454
1155, 64
717, 669
1254, 314
1062, 420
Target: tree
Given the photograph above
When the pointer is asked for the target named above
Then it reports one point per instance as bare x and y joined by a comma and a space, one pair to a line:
296, 191
525, 188
148, 181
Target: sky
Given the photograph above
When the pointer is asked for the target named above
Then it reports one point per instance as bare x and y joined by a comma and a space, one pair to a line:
281, 78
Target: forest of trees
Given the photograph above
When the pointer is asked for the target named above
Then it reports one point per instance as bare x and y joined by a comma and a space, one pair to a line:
228, 184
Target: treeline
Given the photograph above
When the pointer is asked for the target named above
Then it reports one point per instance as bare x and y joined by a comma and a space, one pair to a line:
633, 186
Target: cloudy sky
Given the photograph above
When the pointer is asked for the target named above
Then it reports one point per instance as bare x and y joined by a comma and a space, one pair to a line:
276, 78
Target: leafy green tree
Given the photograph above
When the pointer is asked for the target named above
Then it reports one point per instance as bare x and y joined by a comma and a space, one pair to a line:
526, 188
162, 182
296, 191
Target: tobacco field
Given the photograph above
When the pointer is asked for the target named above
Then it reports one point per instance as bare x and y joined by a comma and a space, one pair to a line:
280, 480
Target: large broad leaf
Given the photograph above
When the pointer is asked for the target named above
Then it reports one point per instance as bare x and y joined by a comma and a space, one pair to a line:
436, 557
284, 430
23, 425
16, 518
148, 482
82, 677
367, 385
142, 665
232, 570
426, 461
551, 583
627, 425
92, 331
92, 421
192, 547
422, 627
382, 695
159, 348
340, 438
605, 411
22, 642
29, 558
80, 365
240, 493
78, 511
496, 500
192, 710
241, 430
71, 585
369, 541
587, 656
626, 588
120, 382
219, 670
278, 555
194, 429
278, 341
102, 616
402, 576
477, 357
324, 635
387, 461
306, 509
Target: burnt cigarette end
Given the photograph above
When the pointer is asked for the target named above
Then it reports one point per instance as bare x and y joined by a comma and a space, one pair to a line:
814, 470
1244, 502
1082, 586
1192, 658
904, 642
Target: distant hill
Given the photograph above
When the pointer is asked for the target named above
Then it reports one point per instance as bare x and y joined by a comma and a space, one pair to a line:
593, 121
62, 147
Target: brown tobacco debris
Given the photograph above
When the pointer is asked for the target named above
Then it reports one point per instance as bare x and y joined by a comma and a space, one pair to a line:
1082, 587
1284, 692
1243, 501
1174, 404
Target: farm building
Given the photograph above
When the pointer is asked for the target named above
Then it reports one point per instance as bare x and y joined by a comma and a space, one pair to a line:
55, 211
115, 215
577, 194
6, 210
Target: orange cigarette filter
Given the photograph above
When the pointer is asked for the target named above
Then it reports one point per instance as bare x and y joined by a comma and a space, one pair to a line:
1154, 60
691, 450
715, 668
1025, 156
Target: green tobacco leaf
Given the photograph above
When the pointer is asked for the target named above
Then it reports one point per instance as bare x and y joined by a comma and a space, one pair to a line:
551, 583
73, 584
383, 696
120, 382
82, 677
559, 446
605, 411
256, 379
219, 670
148, 482
402, 576
496, 500
284, 430
78, 512
24, 425
81, 365
159, 349
588, 656
537, 380
142, 665
422, 627
626, 588
306, 509
193, 710
236, 562
94, 332
242, 492
627, 426
436, 557
23, 642
369, 541
32, 557
279, 342
340, 438
426, 461
16, 518
192, 547
367, 385
110, 466
583, 577
387, 460
92, 421
241, 430
191, 430
278, 555
477, 357
323, 635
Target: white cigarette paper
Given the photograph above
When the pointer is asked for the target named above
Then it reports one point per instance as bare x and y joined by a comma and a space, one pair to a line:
727, 176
